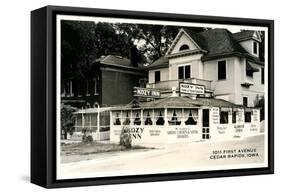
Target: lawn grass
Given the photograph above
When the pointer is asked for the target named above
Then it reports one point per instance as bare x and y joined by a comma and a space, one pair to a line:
93, 148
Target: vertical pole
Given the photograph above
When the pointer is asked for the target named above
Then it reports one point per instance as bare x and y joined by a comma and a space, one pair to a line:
166, 116
90, 121
131, 118
141, 117
75, 124
83, 121
153, 117
98, 123
182, 116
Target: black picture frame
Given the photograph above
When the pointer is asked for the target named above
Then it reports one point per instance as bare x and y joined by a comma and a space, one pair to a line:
43, 96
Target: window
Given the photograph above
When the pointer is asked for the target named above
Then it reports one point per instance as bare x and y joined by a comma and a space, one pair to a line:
184, 47
148, 120
184, 72
96, 85
157, 76
249, 73
205, 133
174, 116
117, 119
159, 119
255, 48
248, 117
234, 113
223, 117
245, 101
127, 119
191, 119
221, 70
262, 75
137, 119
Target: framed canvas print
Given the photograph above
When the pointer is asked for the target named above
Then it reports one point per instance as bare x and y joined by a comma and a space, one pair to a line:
125, 96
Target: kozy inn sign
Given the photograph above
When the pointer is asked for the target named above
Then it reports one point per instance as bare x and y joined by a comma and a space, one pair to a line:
146, 92
187, 88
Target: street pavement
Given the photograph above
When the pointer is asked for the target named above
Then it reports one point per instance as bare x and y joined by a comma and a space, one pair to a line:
183, 157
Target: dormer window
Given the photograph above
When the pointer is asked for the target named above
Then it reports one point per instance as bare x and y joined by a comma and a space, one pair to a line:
255, 48
184, 47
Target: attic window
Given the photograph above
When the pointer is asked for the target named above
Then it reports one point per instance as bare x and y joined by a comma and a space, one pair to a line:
184, 47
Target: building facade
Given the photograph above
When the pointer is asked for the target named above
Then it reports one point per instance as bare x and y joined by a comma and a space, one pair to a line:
108, 81
228, 65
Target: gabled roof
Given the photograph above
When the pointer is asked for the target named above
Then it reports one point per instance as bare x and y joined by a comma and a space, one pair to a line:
244, 35
117, 61
217, 43
195, 38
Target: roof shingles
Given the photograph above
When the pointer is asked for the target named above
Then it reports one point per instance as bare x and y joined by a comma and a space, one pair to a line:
217, 42
182, 102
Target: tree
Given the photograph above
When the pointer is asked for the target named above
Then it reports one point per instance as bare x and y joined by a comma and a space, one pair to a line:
85, 41
67, 119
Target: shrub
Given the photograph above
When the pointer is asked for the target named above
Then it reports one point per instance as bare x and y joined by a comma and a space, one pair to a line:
125, 138
67, 119
87, 136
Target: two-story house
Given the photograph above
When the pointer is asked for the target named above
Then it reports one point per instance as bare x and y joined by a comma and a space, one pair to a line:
227, 64
108, 81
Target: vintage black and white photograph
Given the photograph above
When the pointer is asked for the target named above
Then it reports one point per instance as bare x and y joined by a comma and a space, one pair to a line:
138, 97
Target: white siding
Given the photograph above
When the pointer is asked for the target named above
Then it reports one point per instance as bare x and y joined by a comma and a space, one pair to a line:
193, 60
184, 39
249, 46
223, 88
164, 75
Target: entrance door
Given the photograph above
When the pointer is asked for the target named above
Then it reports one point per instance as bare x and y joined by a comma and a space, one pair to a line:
206, 124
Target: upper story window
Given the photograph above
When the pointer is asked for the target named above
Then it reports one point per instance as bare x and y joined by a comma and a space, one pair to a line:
96, 85
262, 75
184, 72
245, 101
249, 73
184, 47
157, 76
221, 70
255, 48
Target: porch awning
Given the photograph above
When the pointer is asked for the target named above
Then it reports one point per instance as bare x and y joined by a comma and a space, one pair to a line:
251, 68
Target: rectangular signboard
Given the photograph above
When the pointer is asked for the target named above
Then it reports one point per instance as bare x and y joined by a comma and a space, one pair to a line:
146, 92
188, 88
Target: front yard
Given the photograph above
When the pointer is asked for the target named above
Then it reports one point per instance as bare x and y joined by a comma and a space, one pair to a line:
86, 151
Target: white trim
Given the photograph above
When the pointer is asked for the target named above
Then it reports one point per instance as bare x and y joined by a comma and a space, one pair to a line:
247, 100
184, 65
182, 31
155, 76
226, 70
